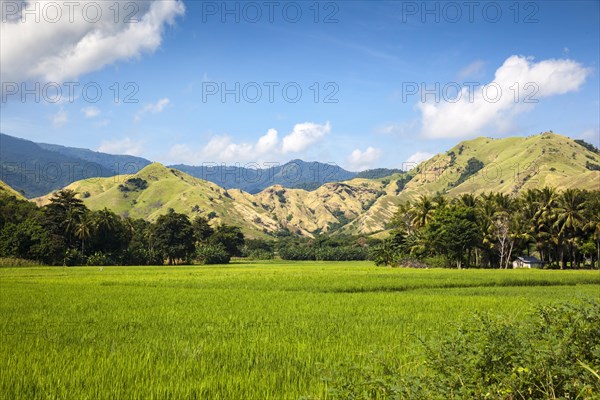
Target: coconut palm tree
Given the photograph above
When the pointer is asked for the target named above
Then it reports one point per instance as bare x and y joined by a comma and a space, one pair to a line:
545, 218
83, 230
422, 211
569, 220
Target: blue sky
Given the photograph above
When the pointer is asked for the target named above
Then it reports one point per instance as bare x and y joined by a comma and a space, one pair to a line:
360, 66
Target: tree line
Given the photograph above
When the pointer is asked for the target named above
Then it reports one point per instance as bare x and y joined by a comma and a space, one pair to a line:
485, 231
66, 232
490, 230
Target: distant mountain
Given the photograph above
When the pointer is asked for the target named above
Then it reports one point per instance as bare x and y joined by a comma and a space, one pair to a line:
116, 164
355, 206
35, 169
294, 174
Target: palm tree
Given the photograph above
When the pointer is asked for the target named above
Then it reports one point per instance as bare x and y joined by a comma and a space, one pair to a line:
545, 217
569, 220
83, 231
486, 213
467, 200
422, 211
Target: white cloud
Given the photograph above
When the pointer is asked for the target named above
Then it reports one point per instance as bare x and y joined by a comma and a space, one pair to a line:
304, 135
473, 70
223, 149
60, 118
418, 158
268, 148
90, 112
155, 108
66, 48
267, 143
122, 146
360, 160
494, 105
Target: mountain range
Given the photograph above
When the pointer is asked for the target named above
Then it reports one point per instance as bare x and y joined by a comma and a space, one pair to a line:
358, 205
35, 169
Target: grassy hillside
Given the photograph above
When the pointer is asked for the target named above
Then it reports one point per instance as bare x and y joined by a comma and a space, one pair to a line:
357, 206
160, 188
508, 165
6, 190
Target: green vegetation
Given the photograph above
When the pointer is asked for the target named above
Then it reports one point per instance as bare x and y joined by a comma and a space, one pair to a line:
473, 166
378, 173
270, 330
588, 146
66, 232
490, 230
131, 184
511, 166
549, 356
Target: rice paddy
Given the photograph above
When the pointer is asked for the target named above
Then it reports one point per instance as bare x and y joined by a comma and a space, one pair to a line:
263, 330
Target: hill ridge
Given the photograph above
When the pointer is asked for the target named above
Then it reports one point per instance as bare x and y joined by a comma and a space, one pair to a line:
355, 206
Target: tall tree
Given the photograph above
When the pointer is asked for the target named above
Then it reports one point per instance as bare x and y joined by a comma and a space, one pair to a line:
569, 221
173, 237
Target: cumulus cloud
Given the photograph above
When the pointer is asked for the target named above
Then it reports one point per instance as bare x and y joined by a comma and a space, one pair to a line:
268, 148
155, 108
517, 86
90, 112
60, 119
224, 149
303, 136
360, 160
122, 146
65, 40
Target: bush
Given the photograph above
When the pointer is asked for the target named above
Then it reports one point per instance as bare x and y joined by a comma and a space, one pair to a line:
554, 356
344, 253
212, 254
100, 259
297, 253
436, 262
260, 254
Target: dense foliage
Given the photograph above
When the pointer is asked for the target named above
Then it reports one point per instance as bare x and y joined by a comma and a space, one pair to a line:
490, 230
323, 248
66, 232
556, 355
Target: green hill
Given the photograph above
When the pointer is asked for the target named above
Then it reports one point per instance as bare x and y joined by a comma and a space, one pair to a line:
357, 206
6, 190
156, 189
508, 165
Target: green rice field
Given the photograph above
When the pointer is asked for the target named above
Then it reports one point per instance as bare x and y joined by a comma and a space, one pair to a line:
262, 330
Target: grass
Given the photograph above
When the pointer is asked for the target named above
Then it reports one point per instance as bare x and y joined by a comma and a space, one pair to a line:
263, 330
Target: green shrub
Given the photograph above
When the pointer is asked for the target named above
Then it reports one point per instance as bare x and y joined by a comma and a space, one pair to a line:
554, 356
100, 259
260, 254
212, 254
436, 262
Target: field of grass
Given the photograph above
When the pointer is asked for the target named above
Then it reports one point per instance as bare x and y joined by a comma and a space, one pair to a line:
243, 331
